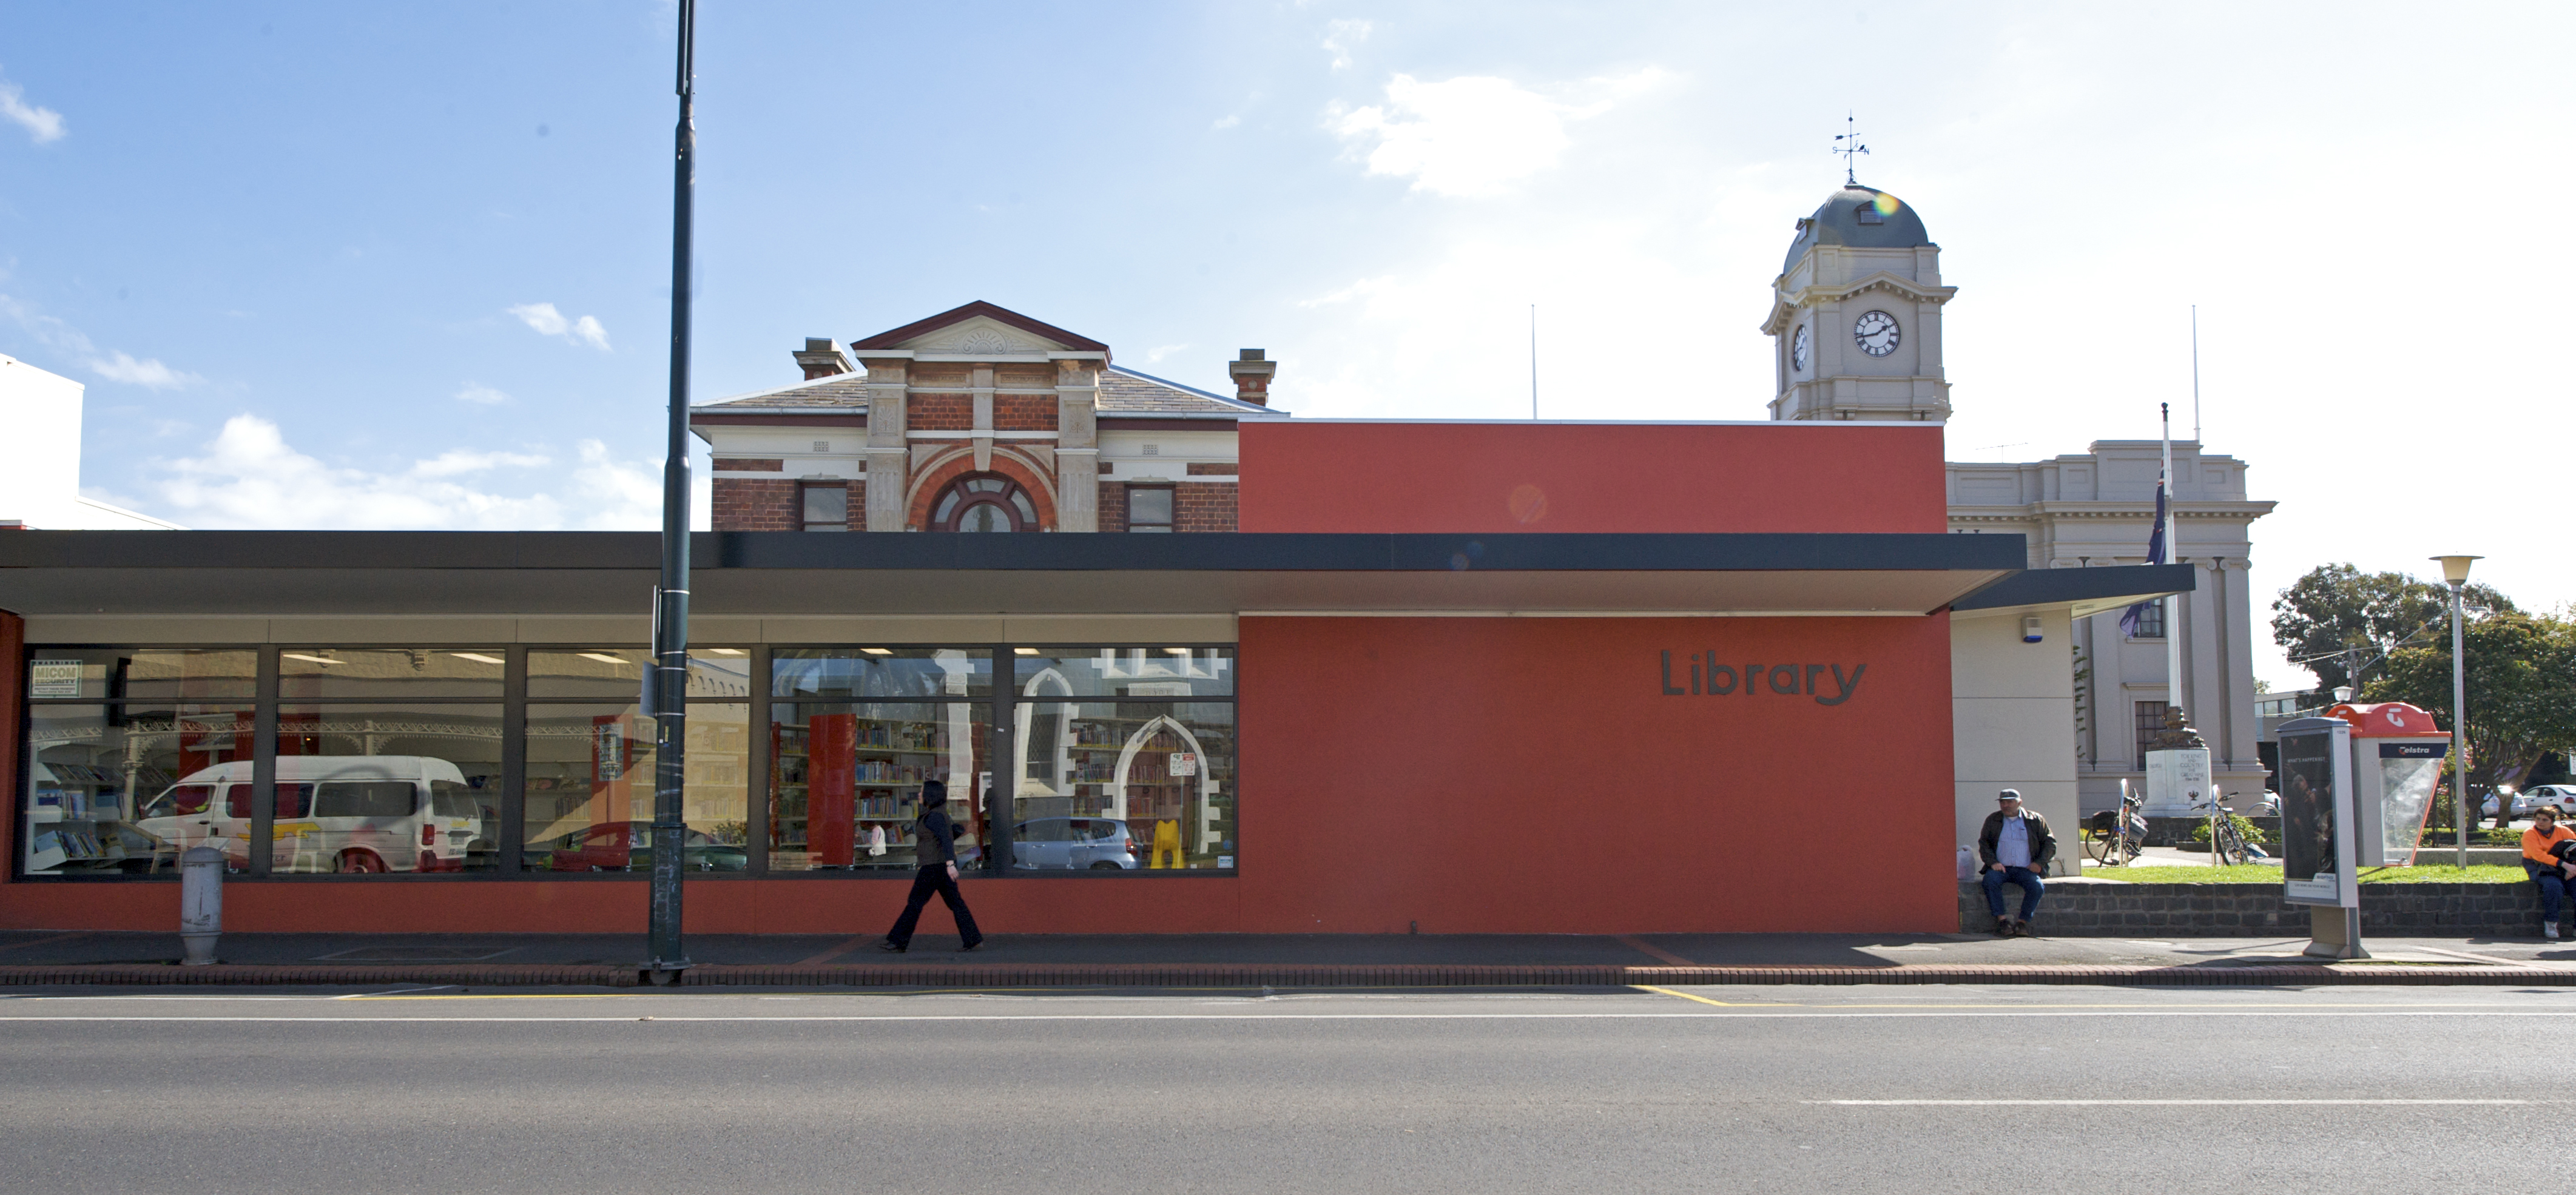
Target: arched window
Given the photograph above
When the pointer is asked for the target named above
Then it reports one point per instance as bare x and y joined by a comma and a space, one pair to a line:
984, 502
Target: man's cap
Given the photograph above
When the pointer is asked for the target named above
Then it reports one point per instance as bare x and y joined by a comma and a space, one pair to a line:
2009, 794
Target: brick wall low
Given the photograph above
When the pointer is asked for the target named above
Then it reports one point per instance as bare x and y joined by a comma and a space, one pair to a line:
753, 504
1203, 506
752, 464
2104, 908
1113, 506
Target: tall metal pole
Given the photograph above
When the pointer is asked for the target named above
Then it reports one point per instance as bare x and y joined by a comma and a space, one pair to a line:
671, 597
2173, 552
2459, 729
1533, 362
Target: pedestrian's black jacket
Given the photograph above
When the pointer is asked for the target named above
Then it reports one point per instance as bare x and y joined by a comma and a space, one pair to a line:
2043, 845
934, 839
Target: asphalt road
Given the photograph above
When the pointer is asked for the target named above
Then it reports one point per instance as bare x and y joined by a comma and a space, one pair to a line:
1701, 1089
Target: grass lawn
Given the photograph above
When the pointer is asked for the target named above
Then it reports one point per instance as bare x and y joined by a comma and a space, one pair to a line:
2272, 875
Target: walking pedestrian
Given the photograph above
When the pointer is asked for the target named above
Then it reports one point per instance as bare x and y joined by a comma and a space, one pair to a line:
2015, 846
934, 846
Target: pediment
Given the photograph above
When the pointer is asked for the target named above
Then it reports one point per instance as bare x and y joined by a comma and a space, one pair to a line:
979, 329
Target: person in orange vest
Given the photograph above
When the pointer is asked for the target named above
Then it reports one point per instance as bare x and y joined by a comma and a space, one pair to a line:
2546, 848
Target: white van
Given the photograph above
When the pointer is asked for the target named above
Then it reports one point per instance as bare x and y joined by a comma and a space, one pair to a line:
365, 813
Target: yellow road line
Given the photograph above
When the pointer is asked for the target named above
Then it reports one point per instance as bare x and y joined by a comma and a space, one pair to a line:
1705, 1000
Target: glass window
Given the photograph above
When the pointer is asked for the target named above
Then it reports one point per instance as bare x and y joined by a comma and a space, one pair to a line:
1123, 671
827, 507
919, 673
2149, 717
374, 769
127, 788
141, 673
328, 673
589, 803
1125, 785
846, 779
1149, 508
617, 673
2151, 620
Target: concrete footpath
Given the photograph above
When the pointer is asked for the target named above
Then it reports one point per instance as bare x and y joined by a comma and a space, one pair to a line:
41, 958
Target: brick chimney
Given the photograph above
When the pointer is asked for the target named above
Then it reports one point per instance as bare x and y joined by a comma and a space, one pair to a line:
822, 357
1252, 376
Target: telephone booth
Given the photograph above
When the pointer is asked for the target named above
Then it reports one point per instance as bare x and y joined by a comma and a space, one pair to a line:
2396, 761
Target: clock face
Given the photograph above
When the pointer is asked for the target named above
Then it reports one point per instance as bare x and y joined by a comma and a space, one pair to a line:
1798, 349
1876, 332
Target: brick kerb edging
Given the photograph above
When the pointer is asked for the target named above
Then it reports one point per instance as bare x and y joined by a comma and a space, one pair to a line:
1256, 975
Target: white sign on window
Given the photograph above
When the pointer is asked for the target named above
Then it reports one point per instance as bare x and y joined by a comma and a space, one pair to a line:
1185, 763
53, 678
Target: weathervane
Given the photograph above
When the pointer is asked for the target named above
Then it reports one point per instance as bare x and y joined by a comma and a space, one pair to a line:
1848, 145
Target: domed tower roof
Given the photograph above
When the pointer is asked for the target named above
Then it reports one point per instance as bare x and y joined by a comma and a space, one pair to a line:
1860, 216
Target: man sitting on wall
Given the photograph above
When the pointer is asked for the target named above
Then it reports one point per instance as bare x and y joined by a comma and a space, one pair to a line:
2016, 847
2545, 850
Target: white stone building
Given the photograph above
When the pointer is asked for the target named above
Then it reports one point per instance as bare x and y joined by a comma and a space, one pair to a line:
1856, 326
41, 488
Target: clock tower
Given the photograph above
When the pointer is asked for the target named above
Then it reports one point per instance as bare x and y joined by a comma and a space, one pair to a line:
1855, 321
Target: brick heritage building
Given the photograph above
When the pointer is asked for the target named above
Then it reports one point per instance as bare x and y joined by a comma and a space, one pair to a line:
979, 419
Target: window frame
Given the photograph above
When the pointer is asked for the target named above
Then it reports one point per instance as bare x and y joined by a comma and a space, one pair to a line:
1173, 518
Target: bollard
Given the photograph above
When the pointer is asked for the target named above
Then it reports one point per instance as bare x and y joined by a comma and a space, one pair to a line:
201, 904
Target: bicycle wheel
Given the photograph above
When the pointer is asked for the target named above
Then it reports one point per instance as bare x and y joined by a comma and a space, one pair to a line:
2099, 846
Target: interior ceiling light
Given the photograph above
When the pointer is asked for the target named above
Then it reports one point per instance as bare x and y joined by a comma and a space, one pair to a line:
1025, 651
323, 660
877, 651
726, 651
605, 658
478, 657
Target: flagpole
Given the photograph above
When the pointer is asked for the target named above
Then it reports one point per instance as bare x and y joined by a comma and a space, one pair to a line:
2173, 602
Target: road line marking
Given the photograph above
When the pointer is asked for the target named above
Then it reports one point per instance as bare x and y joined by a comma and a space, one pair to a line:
1748, 1015
1645, 947
2478, 958
1705, 1000
2155, 1103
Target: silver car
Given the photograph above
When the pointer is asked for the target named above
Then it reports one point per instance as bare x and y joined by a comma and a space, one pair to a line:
1073, 844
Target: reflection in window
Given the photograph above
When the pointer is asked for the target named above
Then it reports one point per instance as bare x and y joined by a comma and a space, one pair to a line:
925, 673
826, 506
394, 788
589, 799
845, 779
329, 673
128, 788
1124, 671
617, 673
984, 502
1151, 785
141, 674
1149, 508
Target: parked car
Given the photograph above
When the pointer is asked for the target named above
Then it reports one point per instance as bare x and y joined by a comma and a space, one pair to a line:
628, 846
361, 813
1073, 843
2561, 797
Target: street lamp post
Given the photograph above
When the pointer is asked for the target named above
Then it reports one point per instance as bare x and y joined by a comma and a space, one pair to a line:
670, 665
2455, 569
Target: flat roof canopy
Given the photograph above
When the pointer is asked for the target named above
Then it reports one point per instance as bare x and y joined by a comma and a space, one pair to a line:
784, 573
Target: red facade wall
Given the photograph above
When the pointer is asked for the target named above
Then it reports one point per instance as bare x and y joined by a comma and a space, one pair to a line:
1503, 477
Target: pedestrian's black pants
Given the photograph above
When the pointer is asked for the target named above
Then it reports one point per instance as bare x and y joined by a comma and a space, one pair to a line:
924, 882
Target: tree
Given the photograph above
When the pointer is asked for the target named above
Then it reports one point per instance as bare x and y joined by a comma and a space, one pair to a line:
2337, 619
2521, 693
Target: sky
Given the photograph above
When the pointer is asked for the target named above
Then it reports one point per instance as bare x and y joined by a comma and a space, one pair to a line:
394, 266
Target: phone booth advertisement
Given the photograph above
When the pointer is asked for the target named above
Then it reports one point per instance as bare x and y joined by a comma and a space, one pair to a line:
2397, 757
2318, 858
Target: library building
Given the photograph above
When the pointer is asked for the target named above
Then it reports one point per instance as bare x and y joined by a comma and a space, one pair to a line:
1229, 671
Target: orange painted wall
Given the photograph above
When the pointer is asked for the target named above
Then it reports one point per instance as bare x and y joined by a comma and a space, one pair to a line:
1492, 478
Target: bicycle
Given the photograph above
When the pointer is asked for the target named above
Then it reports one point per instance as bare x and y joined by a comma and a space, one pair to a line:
2115, 837
2226, 840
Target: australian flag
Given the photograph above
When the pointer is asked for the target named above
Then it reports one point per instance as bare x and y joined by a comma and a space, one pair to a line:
2155, 555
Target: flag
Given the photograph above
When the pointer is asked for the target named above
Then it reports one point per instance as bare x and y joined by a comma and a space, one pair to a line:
2155, 555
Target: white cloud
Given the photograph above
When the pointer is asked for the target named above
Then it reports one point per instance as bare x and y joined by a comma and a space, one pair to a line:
1476, 134
459, 460
148, 373
1342, 37
248, 476
481, 395
1226, 122
43, 124
1155, 355
547, 321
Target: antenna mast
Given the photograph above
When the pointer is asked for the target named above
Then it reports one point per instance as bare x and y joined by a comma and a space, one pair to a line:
1848, 145
1533, 361
2195, 373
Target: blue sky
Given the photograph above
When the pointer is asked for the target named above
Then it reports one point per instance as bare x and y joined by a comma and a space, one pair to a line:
377, 265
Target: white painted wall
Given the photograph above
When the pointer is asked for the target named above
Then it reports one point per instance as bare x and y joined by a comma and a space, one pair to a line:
2012, 721
41, 486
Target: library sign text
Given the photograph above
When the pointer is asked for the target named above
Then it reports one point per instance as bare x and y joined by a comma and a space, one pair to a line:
1706, 676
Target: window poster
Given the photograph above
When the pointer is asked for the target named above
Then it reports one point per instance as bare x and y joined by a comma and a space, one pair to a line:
2310, 830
